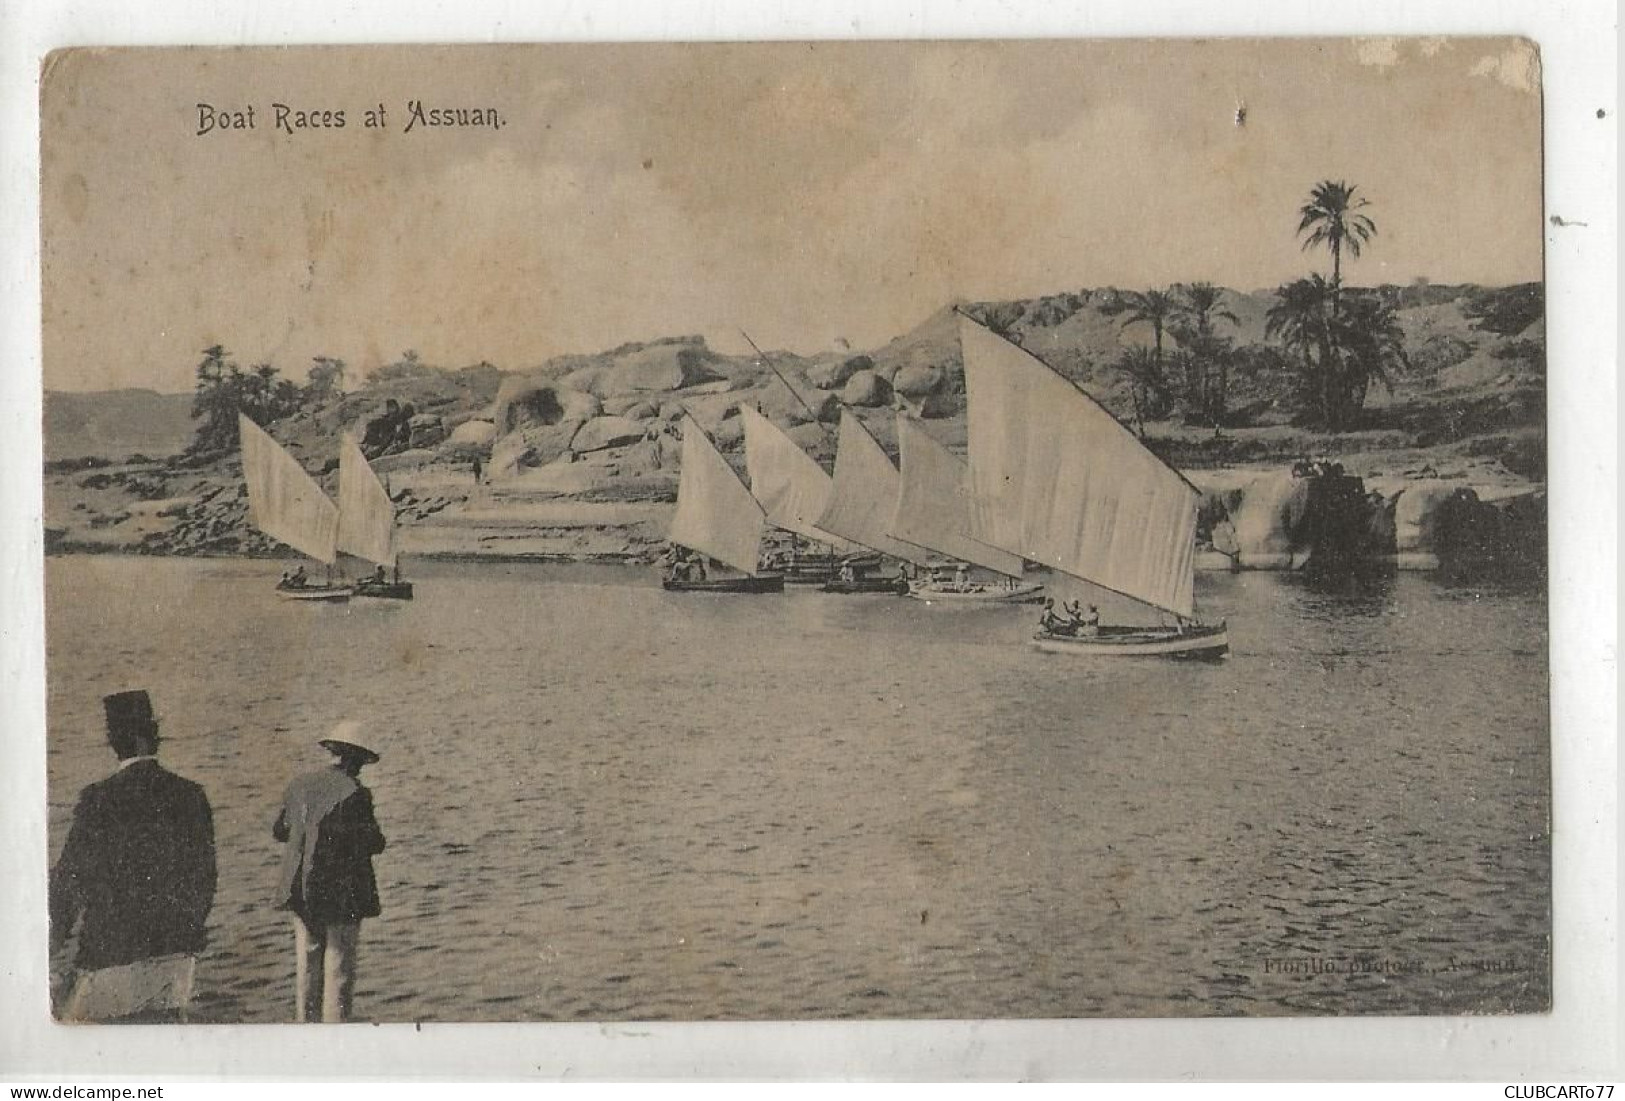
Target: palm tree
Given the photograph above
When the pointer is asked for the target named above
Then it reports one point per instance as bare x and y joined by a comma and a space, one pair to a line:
1206, 388
1340, 353
1300, 321
1155, 308
1147, 387
1199, 302
1331, 217
1370, 337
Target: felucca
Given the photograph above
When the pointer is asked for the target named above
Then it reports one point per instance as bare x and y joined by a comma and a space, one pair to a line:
367, 524
1058, 480
793, 491
286, 503
718, 518
860, 507
934, 511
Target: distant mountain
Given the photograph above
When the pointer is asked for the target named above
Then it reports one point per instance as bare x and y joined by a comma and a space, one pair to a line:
116, 424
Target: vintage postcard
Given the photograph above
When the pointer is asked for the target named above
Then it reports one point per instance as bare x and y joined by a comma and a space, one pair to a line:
796, 531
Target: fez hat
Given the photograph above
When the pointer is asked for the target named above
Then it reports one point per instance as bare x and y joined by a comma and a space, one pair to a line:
129, 712
344, 741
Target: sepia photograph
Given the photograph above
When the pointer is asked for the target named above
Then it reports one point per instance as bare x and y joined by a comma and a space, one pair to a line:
796, 531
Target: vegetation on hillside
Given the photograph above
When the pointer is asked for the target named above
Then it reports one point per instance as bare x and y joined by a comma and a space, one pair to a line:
223, 390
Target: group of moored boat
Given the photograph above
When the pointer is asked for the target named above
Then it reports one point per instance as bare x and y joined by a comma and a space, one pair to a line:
1052, 478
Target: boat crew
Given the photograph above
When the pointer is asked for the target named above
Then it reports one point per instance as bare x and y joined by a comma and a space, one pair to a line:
1049, 621
962, 578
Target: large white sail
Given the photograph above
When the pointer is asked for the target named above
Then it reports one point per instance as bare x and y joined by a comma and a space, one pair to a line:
366, 514
716, 515
996, 386
934, 502
860, 507
788, 482
283, 501
1081, 492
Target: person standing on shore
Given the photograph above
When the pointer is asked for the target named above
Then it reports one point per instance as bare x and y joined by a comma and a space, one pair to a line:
327, 882
137, 877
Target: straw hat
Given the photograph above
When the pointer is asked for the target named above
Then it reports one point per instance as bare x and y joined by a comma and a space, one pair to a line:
345, 740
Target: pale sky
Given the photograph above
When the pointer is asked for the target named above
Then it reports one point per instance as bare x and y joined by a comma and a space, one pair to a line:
805, 193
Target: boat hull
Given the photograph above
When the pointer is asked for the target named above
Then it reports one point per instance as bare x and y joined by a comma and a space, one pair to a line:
770, 583
389, 590
884, 586
1021, 594
808, 578
319, 594
1201, 642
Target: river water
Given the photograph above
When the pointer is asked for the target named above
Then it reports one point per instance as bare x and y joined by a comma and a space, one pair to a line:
606, 802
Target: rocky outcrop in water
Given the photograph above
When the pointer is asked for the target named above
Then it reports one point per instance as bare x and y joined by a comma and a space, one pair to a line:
1328, 522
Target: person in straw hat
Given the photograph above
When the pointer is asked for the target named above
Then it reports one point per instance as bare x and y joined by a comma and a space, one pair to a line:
327, 881
136, 877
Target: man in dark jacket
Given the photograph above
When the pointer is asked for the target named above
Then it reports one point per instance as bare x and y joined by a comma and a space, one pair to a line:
136, 876
327, 878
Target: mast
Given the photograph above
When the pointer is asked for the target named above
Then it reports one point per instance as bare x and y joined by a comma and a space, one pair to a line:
716, 515
1059, 480
283, 501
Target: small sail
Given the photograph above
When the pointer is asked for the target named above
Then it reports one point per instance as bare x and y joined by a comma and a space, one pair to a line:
790, 485
283, 501
716, 515
366, 514
1083, 493
866, 482
935, 502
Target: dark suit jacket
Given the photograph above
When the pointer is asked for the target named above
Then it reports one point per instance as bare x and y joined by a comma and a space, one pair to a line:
327, 821
138, 868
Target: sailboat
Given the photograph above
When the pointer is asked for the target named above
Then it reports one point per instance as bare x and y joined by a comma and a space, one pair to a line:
860, 506
367, 524
793, 491
716, 517
1058, 480
934, 510
286, 503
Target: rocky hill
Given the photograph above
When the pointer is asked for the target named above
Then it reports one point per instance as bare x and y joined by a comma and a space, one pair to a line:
579, 454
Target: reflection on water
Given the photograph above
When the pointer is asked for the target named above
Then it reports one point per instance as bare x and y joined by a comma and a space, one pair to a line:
609, 802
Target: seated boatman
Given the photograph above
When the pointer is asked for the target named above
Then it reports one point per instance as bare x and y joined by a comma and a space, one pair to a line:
1049, 621
676, 570
1089, 622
